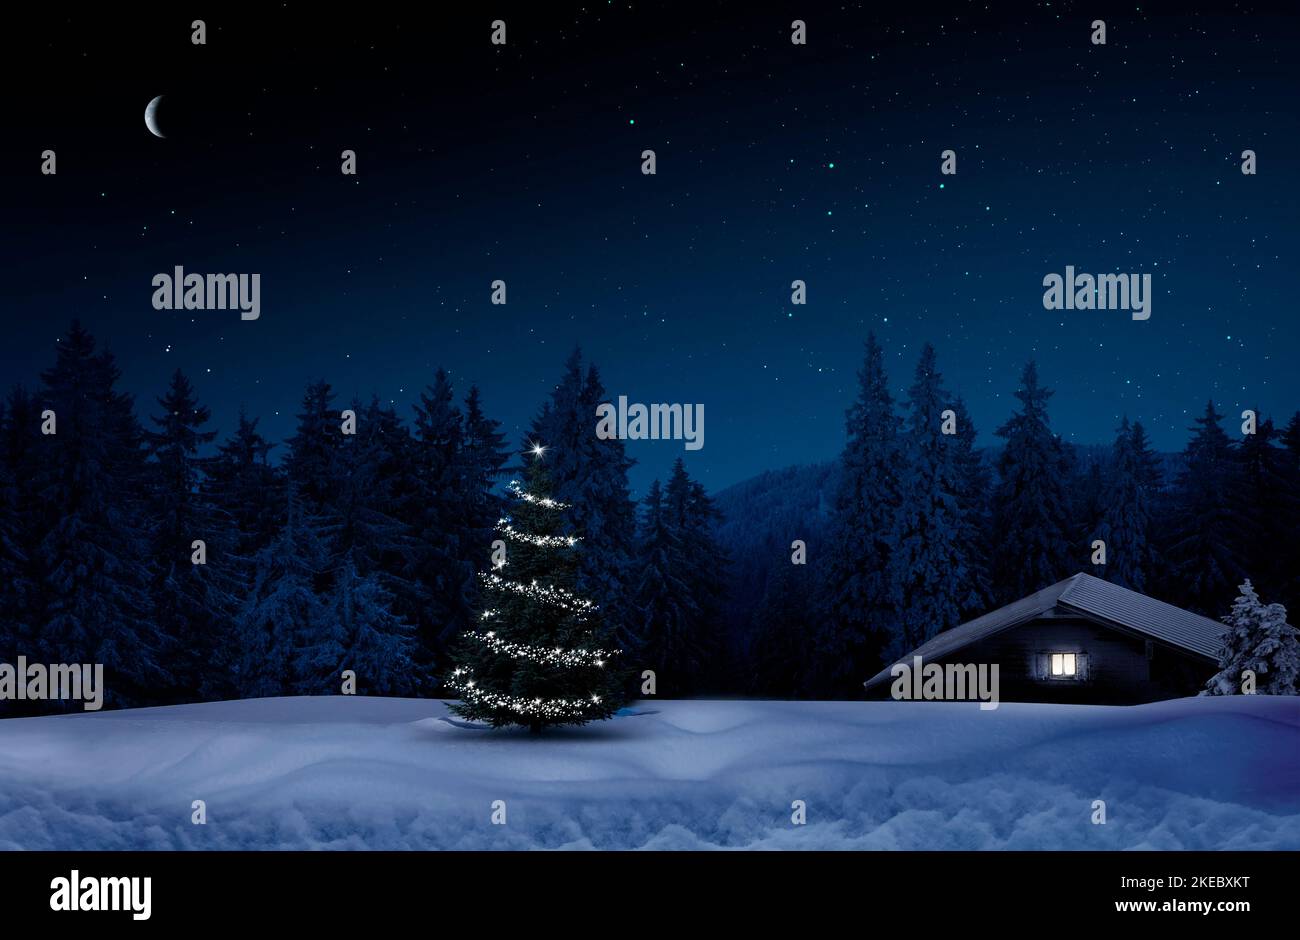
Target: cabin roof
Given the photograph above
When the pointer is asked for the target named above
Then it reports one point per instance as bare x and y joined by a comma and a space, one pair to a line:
1083, 594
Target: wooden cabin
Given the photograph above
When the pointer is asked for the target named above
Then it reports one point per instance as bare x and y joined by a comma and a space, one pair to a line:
1083, 641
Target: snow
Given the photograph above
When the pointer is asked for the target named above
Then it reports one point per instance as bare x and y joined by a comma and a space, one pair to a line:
356, 772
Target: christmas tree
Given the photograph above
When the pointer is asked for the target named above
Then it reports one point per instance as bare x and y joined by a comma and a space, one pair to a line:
534, 658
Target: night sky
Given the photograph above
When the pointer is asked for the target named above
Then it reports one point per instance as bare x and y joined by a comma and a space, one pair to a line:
775, 162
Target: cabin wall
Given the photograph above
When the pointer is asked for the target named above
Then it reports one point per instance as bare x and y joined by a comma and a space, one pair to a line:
1115, 669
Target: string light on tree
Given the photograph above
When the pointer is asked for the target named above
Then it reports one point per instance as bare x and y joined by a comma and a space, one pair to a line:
543, 541
551, 657
533, 498
557, 597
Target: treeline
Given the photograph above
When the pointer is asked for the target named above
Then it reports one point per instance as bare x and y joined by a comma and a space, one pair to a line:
194, 569
924, 533
197, 569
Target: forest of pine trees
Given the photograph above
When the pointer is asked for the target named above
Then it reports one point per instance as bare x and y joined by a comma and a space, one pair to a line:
924, 532
199, 568
335, 551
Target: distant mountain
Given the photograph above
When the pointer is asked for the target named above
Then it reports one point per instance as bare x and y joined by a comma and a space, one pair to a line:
761, 517
764, 514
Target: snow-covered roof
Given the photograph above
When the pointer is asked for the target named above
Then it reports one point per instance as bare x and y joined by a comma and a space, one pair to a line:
1084, 594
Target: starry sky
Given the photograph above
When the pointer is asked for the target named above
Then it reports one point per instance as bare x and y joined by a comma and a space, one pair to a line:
774, 162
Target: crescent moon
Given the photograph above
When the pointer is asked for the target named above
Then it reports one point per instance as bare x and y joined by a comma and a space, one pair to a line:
151, 117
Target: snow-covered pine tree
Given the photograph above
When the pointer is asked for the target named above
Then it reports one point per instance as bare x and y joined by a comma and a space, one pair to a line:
372, 472
437, 566
1268, 498
375, 493
859, 610
535, 657
314, 451
366, 637
1150, 473
590, 475
192, 603
702, 567
1260, 640
1206, 540
928, 566
92, 555
1031, 503
975, 594
483, 456
663, 603
249, 493
1088, 488
15, 599
780, 651
241, 480
286, 636
678, 600
1291, 438
1126, 520
20, 607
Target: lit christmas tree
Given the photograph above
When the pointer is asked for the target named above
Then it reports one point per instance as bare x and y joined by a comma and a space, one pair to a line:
535, 657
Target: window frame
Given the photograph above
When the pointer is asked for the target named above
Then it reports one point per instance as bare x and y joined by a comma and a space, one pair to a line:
1074, 675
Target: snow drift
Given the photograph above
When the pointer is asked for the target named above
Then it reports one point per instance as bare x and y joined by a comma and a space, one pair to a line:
353, 773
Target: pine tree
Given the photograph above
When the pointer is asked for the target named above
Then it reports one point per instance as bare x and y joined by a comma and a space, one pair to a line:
1031, 505
248, 488
693, 515
975, 593
370, 554
438, 567
314, 450
1258, 639
15, 599
20, 601
191, 602
590, 475
1291, 438
366, 637
679, 596
1126, 520
481, 458
375, 487
664, 607
1289, 591
1150, 474
928, 568
1206, 542
92, 556
535, 656
288, 642
859, 609
781, 631
1267, 501
1089, 489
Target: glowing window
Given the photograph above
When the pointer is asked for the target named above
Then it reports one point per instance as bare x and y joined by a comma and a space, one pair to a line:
1063, 665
